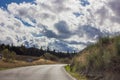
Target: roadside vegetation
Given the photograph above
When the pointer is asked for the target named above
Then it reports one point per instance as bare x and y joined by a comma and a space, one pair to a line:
100, 61
75, 74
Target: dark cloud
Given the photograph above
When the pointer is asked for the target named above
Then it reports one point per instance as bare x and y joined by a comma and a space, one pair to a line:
103, 12
90, 31
115, 19
22, 12
64, 32
57, 6
50, 34
62, 46
60, 6
44, 15
63, 29
46, 32
46, 7
59, 1
2, 24
115, 6
76, 43
47, 15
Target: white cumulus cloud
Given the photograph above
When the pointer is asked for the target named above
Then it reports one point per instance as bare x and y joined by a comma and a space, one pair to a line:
60, 24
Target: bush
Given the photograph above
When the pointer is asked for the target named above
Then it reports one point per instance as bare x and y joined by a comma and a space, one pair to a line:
107, 56
105, 40
77, 66
67, 67
118, 48
8, 56
94, 62
65, 60
50, 57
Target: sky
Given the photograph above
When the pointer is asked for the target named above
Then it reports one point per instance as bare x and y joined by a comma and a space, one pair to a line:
59, 24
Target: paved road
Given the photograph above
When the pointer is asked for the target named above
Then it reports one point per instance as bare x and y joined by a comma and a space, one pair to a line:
41, 72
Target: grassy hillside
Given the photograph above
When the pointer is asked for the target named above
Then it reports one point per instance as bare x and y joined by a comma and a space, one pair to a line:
100, 61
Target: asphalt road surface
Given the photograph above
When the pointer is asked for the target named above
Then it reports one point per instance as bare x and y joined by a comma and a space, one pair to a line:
41, 72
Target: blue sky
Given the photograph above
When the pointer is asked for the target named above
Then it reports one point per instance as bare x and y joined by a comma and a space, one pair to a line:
4, 3
85, 2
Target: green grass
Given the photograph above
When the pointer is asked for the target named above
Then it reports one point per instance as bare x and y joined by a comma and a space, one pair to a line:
74, 74
4, 68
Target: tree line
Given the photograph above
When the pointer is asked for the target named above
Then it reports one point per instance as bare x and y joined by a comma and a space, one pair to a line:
32, 51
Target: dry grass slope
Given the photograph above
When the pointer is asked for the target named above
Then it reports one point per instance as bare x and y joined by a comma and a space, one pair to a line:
100, 61
21, 61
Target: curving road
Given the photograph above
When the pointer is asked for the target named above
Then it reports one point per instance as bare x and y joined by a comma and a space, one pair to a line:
41, 72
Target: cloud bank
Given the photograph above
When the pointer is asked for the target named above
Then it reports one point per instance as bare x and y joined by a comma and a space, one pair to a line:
60, 24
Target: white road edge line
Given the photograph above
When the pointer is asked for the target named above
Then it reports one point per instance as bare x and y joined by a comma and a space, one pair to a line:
68, 74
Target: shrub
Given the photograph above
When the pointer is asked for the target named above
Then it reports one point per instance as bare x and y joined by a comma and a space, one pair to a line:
118, 48
94, 62
107, 58
50, 57
8, 56
65, 60
104, 40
